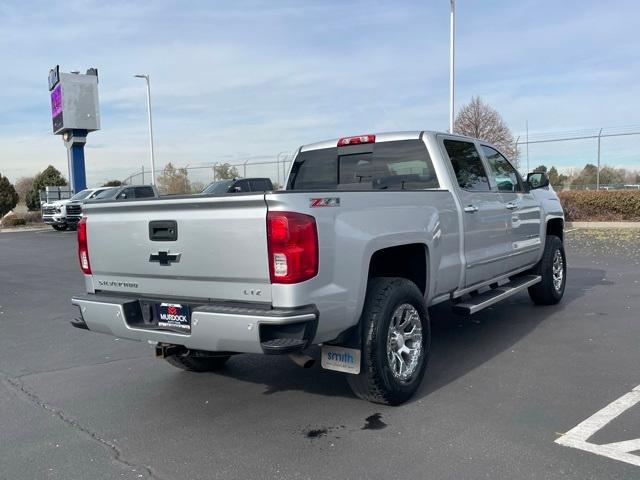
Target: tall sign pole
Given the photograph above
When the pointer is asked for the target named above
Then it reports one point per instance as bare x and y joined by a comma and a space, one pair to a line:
153, 166
74, 113
452, 58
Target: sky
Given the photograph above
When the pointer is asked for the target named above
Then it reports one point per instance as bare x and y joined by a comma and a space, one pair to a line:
246, 80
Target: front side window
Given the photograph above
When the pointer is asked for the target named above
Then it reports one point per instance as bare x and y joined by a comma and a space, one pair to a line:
108, 193
396, 165
241, 186
467, 165
503, 172
81, 195
219, 187
259, 186
126, 193
144, 192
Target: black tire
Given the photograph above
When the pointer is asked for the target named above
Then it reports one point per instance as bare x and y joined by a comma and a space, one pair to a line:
194, 363
376, 381
546, 292
59, 228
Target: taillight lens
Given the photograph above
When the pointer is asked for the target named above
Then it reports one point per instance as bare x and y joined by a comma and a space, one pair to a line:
292, 240
83, 246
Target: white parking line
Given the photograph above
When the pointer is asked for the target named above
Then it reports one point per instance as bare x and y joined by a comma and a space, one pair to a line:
577, 437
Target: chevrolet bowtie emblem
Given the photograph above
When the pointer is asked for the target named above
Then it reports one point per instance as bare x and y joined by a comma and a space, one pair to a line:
164, 258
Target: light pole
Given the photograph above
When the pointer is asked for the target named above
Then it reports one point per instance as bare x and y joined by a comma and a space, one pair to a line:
153, 169
598, 172
452, 58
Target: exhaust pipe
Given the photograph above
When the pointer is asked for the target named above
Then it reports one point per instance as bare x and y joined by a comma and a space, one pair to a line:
164, 350
302, 360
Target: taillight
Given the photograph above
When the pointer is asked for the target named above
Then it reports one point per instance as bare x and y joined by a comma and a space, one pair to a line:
83, 246
292, 239
359, 140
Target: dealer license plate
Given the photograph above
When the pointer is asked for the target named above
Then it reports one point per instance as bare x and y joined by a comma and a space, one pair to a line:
174, 316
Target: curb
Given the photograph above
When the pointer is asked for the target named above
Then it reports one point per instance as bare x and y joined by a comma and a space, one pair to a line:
602, 225
24, 229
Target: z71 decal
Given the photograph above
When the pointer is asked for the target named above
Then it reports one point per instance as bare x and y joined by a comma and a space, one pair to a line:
324, 202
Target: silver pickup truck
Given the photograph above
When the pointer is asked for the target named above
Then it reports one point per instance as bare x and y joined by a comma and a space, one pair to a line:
370, 231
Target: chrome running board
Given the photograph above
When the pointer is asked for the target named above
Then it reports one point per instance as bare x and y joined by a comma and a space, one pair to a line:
495, 295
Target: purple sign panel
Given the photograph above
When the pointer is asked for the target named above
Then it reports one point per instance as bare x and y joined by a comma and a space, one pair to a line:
56, 102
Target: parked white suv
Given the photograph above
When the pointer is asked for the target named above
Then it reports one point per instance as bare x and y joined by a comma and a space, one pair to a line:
63, 214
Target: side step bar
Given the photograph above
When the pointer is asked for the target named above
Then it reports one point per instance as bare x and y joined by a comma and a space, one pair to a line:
495, 295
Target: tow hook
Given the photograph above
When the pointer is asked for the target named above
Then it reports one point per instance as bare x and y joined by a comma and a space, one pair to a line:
164, 350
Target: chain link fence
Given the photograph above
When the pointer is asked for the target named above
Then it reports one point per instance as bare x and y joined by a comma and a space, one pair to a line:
606, 158
612, 152
193, 179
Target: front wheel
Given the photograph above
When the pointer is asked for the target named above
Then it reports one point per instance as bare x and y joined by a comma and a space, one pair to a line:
553, 270
396, 341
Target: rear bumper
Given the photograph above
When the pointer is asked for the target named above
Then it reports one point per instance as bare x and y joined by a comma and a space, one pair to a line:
214, 327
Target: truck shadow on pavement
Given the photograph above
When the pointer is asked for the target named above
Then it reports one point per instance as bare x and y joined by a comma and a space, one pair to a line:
458, 346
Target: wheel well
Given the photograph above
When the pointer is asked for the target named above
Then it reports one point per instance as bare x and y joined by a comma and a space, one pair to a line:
406, 261
555, 226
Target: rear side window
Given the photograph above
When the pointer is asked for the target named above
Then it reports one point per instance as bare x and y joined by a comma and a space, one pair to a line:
144, 192
467, 165
398, 165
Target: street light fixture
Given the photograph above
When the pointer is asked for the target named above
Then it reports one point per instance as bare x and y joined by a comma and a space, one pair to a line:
153, 169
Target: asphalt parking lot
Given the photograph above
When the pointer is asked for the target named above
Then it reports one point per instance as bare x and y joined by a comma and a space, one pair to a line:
501, 387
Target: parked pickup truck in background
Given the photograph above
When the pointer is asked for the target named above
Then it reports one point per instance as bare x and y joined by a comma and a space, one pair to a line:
128, 192
238, 185
370, 231
63, 214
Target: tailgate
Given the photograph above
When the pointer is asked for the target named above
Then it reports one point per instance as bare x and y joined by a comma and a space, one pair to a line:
220, 251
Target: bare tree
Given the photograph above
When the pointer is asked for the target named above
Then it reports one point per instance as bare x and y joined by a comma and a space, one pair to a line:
225, 171
23, 185
479, 120
173, 180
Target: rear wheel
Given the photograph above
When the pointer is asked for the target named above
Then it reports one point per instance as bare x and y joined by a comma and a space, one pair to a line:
396, 342
198, 363
553, 270
59, 227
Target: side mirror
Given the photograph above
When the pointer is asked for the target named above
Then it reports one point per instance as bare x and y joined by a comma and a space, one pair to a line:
237, 189
537, 180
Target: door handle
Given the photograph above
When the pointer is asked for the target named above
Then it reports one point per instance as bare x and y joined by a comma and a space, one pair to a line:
471, 209
511, 206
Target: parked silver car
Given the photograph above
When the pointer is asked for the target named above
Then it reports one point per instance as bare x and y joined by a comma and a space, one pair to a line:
370, 231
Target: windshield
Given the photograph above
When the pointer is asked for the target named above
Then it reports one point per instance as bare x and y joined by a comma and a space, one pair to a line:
106, 193
81, 195
221, 186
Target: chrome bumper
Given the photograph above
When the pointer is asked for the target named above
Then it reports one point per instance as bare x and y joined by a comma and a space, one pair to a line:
214, 327
51, 220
